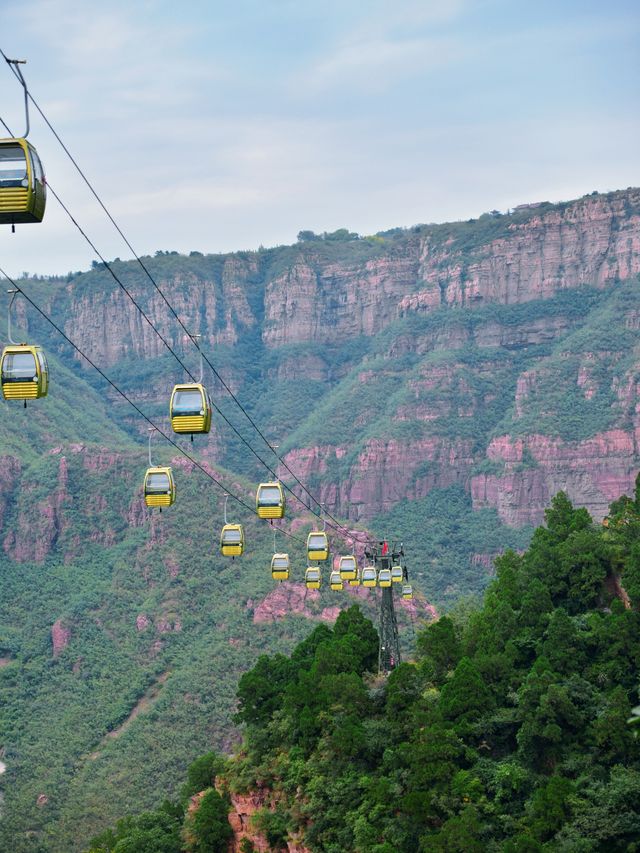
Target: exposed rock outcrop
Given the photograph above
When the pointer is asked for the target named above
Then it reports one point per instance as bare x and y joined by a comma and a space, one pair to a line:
593, 472
60, 637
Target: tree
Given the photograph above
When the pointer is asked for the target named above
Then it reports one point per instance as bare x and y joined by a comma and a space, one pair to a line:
439, 647
207, 828
261, 689
465, 697
308, 237
202, 773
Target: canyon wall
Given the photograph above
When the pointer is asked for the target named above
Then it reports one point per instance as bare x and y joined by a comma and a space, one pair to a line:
317, 311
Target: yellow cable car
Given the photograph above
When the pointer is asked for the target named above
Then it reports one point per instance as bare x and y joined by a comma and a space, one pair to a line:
335, 581
23, 194
348, 567
24, 373
396, 574
270, 500
190, 409
369, 576
384, 578
407, 591
355, 581
317, 545
313, 577
159, 487
232, 540
280, 567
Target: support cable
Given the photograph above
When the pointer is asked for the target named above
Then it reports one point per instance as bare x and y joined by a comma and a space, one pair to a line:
168, 438
340, 526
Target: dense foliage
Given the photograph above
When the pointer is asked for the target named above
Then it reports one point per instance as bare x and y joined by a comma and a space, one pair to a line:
508, 732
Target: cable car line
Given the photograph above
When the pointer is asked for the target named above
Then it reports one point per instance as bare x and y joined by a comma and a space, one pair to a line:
195, 462
337, 526
162, 338
28, 95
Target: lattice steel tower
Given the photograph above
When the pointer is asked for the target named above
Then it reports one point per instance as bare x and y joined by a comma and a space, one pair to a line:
389, 651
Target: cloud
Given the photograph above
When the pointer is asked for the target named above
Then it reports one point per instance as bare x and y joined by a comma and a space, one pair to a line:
392, 40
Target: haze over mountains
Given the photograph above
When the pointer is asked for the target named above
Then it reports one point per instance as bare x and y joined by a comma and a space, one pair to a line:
438, 384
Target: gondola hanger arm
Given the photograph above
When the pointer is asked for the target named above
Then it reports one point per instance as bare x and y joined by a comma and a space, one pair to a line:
151, 432
15, 292
16, 63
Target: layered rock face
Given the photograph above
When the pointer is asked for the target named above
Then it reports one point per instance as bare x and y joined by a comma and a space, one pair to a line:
436, 296
593, 472
594, 241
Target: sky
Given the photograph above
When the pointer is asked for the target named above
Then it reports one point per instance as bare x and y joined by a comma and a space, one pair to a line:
216, 126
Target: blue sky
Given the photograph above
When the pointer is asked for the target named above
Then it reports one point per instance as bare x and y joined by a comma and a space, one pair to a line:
215, 126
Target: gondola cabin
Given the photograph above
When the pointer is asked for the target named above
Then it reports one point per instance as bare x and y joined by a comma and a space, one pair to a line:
335, 582
384, 578
369, 576
396, 574
23, 194
348, 567
24, 373
232, 540
270, 500
159, 487
280, 567
355, 581
407, 592
190, 409
313, 577
317, 545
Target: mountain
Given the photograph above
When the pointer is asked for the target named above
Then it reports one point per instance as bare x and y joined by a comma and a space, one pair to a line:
434, 384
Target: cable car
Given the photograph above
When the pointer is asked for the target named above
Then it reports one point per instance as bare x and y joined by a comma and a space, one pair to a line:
407, 591
355, 581
369, 576
396, 574
270, 500
23, 194
317, 545
232, 540
384, 577
313, 577
348, 567
24, 373
335, 581
190, 409
159, 487
280, 567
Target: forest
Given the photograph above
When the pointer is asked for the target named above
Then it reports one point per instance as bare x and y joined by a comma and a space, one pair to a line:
508, 730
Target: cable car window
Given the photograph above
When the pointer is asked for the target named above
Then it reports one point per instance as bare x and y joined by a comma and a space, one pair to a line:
13, 167
158, 483
281, 563
187, 403
269, 496
313, 575
317, 541
19, 367
231, 536
43, 361
37, 166
347, 563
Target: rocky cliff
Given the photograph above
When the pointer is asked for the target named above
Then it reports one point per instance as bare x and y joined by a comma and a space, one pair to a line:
394, 365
